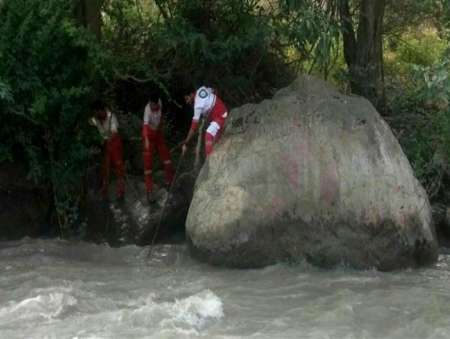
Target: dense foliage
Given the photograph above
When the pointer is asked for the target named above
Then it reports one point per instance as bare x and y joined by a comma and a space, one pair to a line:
48, 66
52, 66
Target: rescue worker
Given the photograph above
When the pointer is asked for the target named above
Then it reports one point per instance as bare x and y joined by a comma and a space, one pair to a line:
107, 125
152, 137
209, 106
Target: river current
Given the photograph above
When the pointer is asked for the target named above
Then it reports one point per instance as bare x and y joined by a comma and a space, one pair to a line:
59, 289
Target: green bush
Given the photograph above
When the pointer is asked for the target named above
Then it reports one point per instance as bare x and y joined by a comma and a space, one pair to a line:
422, 119
246, 48
222, 43
48, 67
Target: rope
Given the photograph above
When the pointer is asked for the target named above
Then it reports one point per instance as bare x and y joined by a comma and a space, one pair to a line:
155, 234
196, 166
199, 145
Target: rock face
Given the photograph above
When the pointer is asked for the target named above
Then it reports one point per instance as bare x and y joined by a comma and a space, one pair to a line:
447, 217
311, 174
441, 219
135, 221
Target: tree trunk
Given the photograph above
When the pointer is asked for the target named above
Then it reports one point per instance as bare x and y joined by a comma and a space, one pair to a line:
363, 50
88, 13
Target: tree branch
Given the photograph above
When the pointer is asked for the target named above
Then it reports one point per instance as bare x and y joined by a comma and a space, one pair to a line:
128, 77
348, 32
25, 116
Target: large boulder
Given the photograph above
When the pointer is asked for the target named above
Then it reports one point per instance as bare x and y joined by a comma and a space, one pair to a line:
311, 174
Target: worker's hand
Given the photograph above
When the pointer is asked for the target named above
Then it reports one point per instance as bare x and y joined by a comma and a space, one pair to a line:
146, 143
183, 149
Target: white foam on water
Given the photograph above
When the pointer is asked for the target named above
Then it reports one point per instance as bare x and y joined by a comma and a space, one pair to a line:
47, 306
149, 317
180, 318
62, 290
198, 309
189, 315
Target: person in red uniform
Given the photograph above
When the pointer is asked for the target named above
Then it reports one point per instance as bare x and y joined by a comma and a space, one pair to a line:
209, 106
107, 125
153, 138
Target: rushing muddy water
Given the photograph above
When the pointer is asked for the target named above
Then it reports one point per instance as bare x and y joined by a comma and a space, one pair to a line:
58, 289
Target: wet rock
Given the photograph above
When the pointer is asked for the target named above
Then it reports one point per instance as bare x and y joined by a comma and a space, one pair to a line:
136, 220
439, 218
311, 174
447, 218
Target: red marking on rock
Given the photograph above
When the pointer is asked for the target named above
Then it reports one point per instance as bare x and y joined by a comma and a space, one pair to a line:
303, 149
329, 185
291, 170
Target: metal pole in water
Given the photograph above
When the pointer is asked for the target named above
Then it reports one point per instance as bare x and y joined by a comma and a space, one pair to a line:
155, 234
196, 165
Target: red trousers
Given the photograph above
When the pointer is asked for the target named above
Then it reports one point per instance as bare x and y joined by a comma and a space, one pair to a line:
218, 115
113, 156
213, 134
155, 140
210, 140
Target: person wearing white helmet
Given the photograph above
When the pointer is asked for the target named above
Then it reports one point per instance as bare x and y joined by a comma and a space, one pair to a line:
208, 105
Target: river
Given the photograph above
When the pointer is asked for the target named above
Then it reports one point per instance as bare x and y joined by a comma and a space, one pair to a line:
60, 289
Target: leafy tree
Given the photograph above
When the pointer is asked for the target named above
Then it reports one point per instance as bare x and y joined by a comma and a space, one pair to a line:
362, 31
47, 65
311, 29
88, 13
226, 44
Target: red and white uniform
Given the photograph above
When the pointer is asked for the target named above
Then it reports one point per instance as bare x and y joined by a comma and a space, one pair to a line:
113, 152
152, 131
153, 118
211, 107
107, 126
